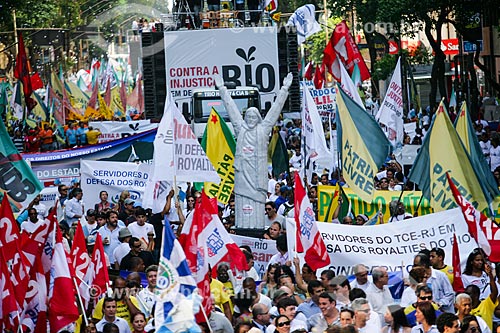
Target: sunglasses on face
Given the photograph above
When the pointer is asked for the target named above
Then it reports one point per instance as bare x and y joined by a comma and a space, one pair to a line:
425, 298
284, 323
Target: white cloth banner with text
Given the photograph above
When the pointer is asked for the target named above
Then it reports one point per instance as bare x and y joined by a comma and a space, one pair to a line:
112, 177
395, 244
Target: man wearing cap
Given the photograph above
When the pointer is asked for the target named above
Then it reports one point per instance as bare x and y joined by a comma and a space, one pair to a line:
123, 249
91, 222
142, 229
329, 315
341, 288
127, 215
361, 277
74, 208
109, 233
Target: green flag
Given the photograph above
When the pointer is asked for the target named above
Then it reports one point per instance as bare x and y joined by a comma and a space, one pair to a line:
3, 99
278, 154
17, 179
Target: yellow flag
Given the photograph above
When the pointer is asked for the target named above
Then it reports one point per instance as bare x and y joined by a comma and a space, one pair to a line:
219, 145
104, 110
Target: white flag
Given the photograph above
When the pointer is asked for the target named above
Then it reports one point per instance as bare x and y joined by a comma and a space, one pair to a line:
313, 135
177, 153
305, 22
390, 113
349, 88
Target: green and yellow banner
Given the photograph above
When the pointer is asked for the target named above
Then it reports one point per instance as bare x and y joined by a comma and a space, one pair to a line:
219, 146
381, 199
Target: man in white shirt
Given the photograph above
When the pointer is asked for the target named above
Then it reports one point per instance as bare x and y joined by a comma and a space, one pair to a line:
378, 293
123, 249
361, 274
143, 230
146, 296
109, 310
33, 222
74, 207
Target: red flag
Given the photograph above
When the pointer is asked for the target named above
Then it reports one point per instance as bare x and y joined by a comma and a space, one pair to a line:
62, 305
458, 285
21, 72
35, 311
36, 82
11, 246
9, 306
342, 48
193, 246
319, 77
140, 94
346, 47
474, 218
307, 234
97, 273
80, 259
123, 96
93, 98
309, 71
107, 93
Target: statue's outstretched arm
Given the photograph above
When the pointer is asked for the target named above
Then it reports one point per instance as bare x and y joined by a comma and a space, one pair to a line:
275, 110
229, 104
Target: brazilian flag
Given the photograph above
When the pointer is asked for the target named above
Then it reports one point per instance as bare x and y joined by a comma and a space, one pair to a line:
220, 146
443, 152
363, 146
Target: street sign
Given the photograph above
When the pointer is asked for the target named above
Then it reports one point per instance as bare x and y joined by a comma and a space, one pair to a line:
471, 47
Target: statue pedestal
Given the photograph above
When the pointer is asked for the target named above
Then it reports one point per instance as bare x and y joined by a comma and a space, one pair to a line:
250, 214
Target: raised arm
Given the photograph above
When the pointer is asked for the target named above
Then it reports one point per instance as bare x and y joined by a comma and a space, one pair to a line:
229, 104
275, 110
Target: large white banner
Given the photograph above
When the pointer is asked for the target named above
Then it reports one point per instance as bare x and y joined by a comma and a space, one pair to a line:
394, 245
114, 130
113, 177
262, 249
246, 56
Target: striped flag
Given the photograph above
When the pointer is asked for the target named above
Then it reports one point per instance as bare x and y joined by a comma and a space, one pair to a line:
176, 295
308, 237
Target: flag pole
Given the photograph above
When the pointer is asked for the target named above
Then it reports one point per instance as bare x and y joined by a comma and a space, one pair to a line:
206, 317
418, 206
84, 314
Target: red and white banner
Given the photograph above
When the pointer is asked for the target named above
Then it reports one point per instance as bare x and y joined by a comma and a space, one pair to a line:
308, 238
450, 46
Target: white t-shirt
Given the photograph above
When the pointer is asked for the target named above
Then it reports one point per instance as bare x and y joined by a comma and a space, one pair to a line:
141, 232
121, 251
494, 157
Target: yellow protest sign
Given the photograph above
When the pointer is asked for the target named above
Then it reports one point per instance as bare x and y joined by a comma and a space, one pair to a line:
410, 200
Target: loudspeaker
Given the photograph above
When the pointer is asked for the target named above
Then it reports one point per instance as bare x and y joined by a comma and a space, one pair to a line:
153, 67
288, 60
